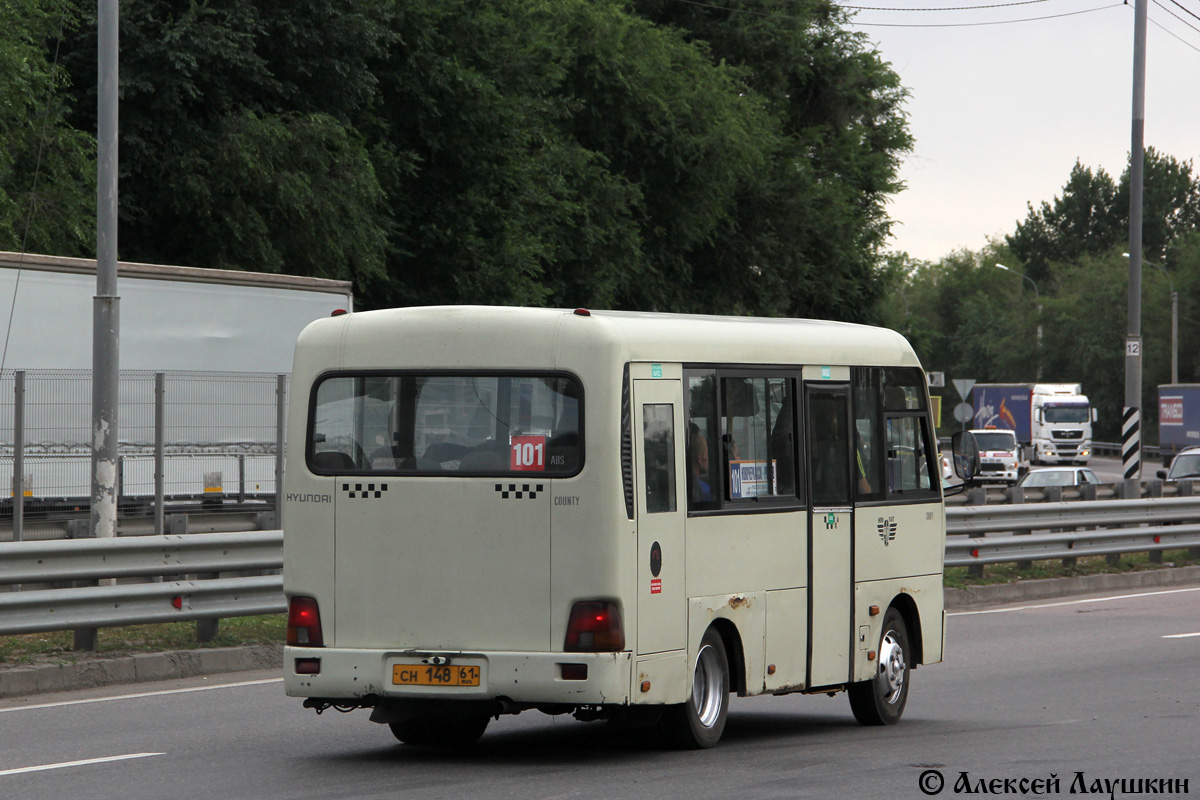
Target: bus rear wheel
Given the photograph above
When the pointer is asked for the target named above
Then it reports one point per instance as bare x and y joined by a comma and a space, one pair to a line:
880, 700
699, 722
441, 728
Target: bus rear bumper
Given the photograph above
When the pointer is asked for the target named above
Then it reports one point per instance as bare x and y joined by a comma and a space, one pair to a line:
575, 679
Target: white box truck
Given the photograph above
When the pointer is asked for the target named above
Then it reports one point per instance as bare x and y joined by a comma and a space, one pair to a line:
1053, 419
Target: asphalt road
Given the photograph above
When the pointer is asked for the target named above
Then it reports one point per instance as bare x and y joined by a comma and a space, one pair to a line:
1106, 687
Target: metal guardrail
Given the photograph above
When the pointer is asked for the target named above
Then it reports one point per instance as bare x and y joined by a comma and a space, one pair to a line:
185, 584
1069, 529
181, 593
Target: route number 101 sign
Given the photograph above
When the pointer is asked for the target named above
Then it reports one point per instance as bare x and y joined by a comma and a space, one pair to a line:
527, 453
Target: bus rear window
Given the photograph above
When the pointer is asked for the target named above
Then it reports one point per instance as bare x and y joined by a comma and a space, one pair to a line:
484, 424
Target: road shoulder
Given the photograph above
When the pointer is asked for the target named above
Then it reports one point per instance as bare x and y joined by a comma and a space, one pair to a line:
976, 597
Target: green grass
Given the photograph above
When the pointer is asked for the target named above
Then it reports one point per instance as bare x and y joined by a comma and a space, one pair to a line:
959, 577
56, 647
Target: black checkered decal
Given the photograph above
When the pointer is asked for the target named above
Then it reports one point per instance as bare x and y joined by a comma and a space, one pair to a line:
512, 491
364, 490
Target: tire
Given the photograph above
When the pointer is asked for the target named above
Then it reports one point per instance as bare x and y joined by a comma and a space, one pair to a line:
880, 700
441, 728
699, 723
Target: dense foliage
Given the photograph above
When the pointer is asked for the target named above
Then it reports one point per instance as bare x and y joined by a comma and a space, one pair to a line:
652, 154
972, 320
47, 167
645, 154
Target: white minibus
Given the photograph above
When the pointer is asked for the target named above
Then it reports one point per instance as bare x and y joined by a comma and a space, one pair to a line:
614, 515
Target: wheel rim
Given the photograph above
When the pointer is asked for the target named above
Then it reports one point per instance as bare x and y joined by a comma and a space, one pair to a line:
892, 667
707, 685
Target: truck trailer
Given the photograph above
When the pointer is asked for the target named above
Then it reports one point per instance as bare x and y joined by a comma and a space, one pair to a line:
221, 337
1054, 420
172, 318
1178, 418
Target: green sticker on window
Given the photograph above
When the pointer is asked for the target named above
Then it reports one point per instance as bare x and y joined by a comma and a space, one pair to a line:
656, 370
826, 373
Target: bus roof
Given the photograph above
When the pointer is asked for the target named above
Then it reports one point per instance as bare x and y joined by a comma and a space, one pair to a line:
637, 336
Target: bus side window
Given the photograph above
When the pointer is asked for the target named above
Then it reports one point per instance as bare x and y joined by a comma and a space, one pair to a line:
909, 451
868, 434
658, 433
703, 442
759, 442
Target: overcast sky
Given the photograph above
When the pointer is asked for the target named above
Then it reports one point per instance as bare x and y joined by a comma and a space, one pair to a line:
1001, 112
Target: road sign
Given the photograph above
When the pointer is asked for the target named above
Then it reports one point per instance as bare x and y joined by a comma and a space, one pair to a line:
964, 413
964, 386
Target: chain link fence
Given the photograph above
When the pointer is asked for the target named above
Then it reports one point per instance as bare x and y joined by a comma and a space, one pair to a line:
215, 435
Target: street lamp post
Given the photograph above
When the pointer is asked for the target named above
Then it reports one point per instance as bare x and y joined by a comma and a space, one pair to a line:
1174, 319
1038, 300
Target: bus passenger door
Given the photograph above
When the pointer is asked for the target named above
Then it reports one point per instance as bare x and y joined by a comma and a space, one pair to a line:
830, 533
658, 453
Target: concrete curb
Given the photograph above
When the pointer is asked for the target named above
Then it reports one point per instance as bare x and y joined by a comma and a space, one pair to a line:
1026, 591
138, 668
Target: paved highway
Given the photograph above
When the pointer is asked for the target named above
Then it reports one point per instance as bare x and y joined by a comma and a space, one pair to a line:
1107, 687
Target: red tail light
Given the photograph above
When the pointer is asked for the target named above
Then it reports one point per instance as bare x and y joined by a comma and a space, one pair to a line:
595, 627
304, 623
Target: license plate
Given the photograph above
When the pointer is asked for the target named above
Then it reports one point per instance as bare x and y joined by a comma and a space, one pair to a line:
428, 675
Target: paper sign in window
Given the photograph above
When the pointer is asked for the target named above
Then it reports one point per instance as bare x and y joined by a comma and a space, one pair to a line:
752, 479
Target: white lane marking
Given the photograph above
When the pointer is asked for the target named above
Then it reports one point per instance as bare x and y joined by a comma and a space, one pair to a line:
86, 761
1180, 635
1070, 602
142, 694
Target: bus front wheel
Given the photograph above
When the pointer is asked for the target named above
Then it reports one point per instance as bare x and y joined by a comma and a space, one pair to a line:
880, 700
700, 721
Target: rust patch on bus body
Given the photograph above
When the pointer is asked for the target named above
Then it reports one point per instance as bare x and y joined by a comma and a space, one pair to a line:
739, 601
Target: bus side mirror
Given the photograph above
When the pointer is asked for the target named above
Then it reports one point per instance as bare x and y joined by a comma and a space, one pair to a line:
1094, 415
966, 455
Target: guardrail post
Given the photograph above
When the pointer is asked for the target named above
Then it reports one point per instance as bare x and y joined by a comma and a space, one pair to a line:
1154, 488
1087, 494
1186, 488
976, 496
206, 629
1016, 495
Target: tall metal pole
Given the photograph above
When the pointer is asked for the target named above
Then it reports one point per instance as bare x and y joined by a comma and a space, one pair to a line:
18, 507
281, 382
1131, 425
159, 442
106, 304
1174, 336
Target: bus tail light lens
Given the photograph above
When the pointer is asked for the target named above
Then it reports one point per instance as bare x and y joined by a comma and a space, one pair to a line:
595, 627
304, 623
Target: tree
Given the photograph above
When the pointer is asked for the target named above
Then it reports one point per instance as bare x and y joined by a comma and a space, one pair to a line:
1092, 215
811, 225
237, 140
509, 151
47, 169
1085, 219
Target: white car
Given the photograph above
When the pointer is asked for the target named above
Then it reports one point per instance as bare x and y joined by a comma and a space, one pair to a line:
999, 456
1058, 476
1185, 465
